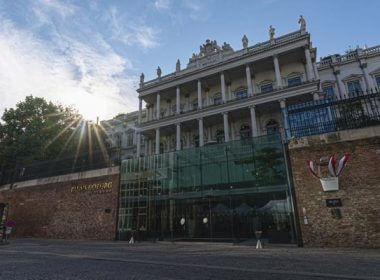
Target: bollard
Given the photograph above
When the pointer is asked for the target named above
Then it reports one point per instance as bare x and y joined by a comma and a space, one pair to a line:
258, 236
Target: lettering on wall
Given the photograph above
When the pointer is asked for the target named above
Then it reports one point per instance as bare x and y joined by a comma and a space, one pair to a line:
99, 188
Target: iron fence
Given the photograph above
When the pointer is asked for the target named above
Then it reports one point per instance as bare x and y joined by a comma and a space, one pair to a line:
358, 109
61, 166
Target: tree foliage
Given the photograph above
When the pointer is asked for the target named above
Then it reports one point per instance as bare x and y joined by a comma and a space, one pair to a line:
37, 130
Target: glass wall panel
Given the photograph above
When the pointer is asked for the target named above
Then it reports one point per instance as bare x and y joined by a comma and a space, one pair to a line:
219, 192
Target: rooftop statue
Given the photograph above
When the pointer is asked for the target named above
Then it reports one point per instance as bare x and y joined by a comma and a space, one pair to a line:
271, 32
302, 23
245, 41
159, 72
226, 47
209, 47
178, 66
142, 76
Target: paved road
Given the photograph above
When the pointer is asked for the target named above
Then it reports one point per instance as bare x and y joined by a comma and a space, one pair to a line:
72, 260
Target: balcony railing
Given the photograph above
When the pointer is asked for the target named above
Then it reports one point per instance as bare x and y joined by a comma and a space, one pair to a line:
361, 109
189, 108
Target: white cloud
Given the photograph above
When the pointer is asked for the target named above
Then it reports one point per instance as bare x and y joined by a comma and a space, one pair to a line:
56, 6
131, 33
162, 4
91, 76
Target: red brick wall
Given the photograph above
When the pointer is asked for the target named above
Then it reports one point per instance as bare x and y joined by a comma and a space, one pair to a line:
359, 192
58, 210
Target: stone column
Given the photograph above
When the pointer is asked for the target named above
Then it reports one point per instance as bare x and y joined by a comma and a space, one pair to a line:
140, 111
199, 94
367, 78
188, 139
146, 147
158, 106
277, 72
157, 151
316, 74
138, 144
178, 100
253, 121
178, 135
341, 90
253, 86
226, 128
200, 127
223, 87
209, 138
232, 128
309, 65
229, 93
285, 118
249, 80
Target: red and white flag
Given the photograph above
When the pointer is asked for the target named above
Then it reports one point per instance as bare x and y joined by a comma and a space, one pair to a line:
342, 164
332, 165
312, 169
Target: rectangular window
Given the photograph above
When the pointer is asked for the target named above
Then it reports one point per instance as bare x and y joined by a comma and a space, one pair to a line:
267, 88
241, 94
354, 88
329, 92
377, 81
294, 81
217, 99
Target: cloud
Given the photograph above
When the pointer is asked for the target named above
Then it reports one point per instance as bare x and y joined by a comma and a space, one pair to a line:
86, 73
64, 10
131, 33
162, 4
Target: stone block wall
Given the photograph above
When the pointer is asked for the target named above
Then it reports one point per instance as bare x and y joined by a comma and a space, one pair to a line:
359, 183
71, 207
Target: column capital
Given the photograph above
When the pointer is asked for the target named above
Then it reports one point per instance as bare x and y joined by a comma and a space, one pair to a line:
200, 119
224, 113
178, 124
275, 55
252, 106
282, 103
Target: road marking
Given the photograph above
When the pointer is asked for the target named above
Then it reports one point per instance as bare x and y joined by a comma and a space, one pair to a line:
205, 266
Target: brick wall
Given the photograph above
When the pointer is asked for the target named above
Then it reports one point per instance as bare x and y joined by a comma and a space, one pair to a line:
359, 225
81, 208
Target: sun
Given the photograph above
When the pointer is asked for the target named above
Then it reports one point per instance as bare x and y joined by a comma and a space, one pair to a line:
90, 106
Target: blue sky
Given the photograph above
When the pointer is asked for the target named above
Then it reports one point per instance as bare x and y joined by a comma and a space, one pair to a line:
91, 53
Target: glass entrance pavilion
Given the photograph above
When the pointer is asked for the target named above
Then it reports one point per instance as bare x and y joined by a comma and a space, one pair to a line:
221, 192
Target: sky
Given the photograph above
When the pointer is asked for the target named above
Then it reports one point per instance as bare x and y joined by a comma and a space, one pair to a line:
90, 53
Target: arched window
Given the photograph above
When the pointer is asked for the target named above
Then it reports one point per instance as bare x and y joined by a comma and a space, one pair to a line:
220, 136
217, 99
266, 86
245, 131
272, 127
196, 140
241, 93
194, 104
294, 79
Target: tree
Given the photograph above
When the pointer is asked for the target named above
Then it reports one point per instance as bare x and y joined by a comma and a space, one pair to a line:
37, 130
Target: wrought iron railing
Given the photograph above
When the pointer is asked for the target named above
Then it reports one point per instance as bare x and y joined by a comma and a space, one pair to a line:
359, 109
61, 166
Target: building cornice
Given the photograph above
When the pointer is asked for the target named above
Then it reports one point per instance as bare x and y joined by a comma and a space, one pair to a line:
245, 56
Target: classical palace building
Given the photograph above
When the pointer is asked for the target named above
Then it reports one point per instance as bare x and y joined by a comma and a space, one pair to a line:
225, 95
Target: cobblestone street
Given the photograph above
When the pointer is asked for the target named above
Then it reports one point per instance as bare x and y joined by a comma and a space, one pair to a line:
62, 259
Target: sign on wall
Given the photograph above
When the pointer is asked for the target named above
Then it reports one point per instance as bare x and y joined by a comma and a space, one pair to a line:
99, 188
